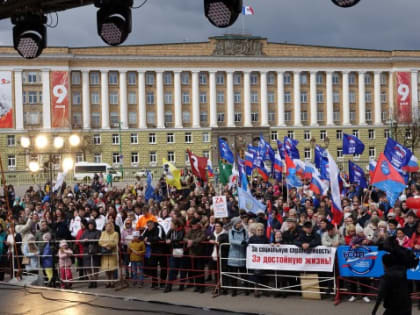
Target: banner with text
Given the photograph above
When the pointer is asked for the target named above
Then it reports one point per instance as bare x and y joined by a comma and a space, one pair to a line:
60, 99
290, 258
404, 97
220, 207
6, 107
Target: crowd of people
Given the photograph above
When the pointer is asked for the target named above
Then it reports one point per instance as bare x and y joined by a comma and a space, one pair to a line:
90, 230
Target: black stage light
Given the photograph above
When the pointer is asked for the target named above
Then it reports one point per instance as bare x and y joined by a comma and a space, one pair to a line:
345, 3
29, 34
114, 20
222, 13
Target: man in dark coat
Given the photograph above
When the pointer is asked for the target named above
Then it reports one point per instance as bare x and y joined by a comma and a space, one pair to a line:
308, 238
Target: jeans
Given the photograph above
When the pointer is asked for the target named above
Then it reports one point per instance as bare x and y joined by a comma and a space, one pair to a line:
137, 270
177, 263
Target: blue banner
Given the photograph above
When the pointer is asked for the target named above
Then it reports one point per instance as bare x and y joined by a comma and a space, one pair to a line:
414, 274
363, 261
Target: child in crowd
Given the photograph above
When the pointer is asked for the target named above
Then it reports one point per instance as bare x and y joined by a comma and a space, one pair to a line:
137, 249
64, 260
46, 258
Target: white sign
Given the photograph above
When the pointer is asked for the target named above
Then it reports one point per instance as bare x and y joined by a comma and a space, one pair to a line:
220, 207
290, 258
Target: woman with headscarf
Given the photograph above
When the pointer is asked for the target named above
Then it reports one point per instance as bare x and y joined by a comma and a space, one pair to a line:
109, 247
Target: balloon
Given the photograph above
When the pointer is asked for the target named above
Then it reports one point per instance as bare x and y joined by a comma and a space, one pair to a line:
413, 203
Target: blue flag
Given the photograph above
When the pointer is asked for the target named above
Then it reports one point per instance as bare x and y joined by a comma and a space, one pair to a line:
265, 150
150, 190
397, 154
321, 162
225, 152
352, 144
243, 180
290, 146
249, 203
357, 175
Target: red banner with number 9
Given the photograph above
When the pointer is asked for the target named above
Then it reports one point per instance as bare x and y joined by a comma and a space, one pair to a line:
60, 99
404, 97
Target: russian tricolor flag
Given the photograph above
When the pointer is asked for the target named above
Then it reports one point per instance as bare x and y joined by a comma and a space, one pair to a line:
336, 210
372, 166
412, 166
249, 162
210, 172
247, 10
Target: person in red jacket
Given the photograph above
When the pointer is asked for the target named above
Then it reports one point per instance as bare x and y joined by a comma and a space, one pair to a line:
79, 249
415, 238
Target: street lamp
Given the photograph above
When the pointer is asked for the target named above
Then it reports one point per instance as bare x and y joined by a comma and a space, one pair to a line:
25, 142
58, 142
68, 164
74, 140
34, 166
41, 142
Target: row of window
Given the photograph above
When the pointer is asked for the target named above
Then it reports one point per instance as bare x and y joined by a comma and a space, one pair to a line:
307, 153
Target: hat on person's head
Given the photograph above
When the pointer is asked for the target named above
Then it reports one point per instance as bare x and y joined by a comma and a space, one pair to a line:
411, 213
195, 221
292, 211
236, 220
359, 229
291, 220
63, 243
391, 214
347, 215
70, 195
307, 224
374, 220
136, 234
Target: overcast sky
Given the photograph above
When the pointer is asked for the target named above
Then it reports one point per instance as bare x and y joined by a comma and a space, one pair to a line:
375, 24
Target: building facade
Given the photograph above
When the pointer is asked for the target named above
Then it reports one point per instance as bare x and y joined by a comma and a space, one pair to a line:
138, 104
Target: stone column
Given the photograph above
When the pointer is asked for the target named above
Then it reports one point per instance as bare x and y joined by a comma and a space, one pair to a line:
123, 100
414, 94
105, 99
142, 100
330, 105
177, 99
195, 100
160, 107
280, 99
212, 99
46, 100
362, 100
296, 97
264, 104
230, 100
346, 99
377, 98
18, 99
314, 107
247, 99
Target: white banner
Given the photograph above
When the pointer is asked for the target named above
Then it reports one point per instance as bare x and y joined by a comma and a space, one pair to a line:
220, 207
290, 258
6, 107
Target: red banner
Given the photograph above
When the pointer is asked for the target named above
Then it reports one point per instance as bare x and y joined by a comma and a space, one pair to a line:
404, 97
6, 107
60, 99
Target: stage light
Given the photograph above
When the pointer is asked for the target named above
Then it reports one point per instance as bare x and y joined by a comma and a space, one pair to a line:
58, 142
114, 20
34, 166
345, 3
41, 142
29, 34
25, 142
74, 140
222, 13
68, 164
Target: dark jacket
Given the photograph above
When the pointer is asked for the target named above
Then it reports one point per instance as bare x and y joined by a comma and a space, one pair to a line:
176, 237
91, 248
156, 237
196, 236
258, 240
289, 237
312, 239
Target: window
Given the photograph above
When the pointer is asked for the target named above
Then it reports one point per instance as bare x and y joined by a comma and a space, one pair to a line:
287, 116
304, 116
320, 116
206, 154
132, 98
75, 78
270, 97
254, 97
171, 156
186, 98
203, 98
336, 116
336, 97
32, 118
322, 134
355, 133
95, 119
134, 158
94, 78
307, 135
150, 78
368, 79
254, 79
11, 161
303, 79
372, 152
79, 157
116, 158
339, 152
11, 140
170, 137
97, 158
76, 119
152, 158
319, 97
114, 119
238, 116
291, 134
168, 98
371, 134
386, 133
383, 79
271, 116
307, 153
368, 97
115, 138
203, 116
220, 78
352, 78
287, 78
202, 78
384, 116
185, 78
206, 137
368, 115
188, 137
132, 118
319, 78
220, 98
408, 134
383, 97
168, 117
237, 79
220, 117
113, 78
254, 116
287, 98
32, 97
336, 78
152, 138
273, 135
132, 78
167, 78
94, 98
352, 97
339, 134
352, 115
304, 97
113, 98
271, 78
237, 97
186, 117
150, 98
134, 138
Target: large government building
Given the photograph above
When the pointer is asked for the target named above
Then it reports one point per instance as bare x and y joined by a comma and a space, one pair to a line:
138, 104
